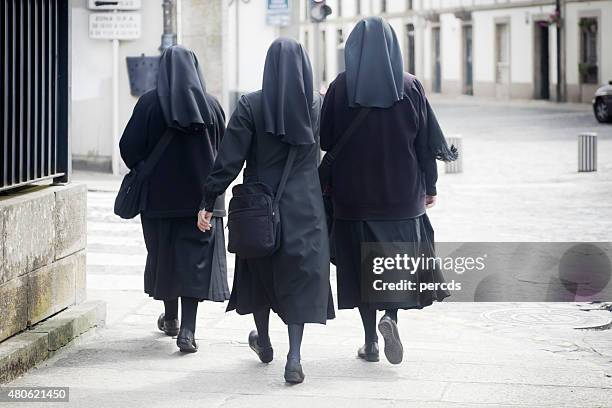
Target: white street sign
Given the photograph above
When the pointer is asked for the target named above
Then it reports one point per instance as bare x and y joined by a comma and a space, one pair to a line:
114, 26
114, 4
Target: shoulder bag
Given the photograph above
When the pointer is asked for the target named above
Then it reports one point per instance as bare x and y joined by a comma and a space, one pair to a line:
131, 197
254, 216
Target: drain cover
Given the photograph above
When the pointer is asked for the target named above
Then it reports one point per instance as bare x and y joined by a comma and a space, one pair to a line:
547, 317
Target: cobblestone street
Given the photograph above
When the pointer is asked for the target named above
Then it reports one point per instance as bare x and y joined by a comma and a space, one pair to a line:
519, 184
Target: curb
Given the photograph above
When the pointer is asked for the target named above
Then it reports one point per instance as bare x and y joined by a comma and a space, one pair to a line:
23, 351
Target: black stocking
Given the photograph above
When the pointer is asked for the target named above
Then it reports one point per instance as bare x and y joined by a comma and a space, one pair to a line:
392, 313
170, 309
295, 340
262, 322
368, 318
189, 311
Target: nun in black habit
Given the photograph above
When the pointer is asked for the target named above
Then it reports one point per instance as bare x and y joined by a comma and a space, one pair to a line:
384, 177
294, 281
182, 261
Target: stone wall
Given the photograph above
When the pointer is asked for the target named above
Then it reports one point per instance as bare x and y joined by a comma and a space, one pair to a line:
42, 254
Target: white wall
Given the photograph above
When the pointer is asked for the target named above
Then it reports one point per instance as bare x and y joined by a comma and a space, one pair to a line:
603, 10
255, 36
92, 78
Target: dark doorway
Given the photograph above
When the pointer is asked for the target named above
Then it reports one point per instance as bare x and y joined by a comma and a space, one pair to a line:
468, 77
410, 48
541, 61
437, 68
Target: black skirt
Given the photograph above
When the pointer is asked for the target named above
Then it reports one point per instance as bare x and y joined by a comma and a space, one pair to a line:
348, 236
257, 287
183, 261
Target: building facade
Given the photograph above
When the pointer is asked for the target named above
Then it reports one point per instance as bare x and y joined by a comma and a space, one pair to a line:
489, 48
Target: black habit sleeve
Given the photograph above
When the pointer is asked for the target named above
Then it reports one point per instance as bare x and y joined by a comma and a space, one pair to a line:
326, 125
133, 143
231, 156
427, 159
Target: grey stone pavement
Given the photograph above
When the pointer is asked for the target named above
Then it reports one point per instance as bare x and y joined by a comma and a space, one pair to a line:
519, 184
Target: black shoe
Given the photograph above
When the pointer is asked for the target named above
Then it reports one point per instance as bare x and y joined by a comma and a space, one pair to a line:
186, 341
369, 352
265, 354
293, 371
170, 327
394, 351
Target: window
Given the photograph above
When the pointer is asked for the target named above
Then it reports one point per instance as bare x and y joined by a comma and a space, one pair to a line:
358, 7
588, 65
408, 4
340, 36
339, 8
306, 41
383, 6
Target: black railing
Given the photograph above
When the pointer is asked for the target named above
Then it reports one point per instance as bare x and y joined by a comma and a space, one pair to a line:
34, 74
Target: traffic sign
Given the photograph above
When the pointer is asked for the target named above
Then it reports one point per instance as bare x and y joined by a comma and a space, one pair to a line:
114, 26
114, 4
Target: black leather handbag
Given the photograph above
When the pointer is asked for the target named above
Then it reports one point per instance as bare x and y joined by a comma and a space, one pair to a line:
132, 194
254, 219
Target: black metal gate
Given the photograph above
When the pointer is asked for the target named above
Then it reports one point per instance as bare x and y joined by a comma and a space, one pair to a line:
34, 74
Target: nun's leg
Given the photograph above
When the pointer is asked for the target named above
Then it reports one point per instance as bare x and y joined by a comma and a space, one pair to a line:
368, 319
369, 351
171, 309
293, 369
259, 340
168, 321
392, 313
186, 337
296, 331
262, 322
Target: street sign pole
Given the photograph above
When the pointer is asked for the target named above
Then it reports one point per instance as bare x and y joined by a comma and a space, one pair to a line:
317, 57
115, 158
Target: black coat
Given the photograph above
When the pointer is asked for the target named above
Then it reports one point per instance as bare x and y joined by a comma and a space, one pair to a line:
294, 281
387, 166
176, 184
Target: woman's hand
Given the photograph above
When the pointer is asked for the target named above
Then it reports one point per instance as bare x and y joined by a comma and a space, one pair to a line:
430, 201
204, 218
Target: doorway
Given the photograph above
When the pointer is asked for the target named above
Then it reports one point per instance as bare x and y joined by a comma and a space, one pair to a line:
541, 60
502, 60
437, 68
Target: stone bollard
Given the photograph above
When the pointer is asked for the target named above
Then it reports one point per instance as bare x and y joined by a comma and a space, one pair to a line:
587, 152
457, 165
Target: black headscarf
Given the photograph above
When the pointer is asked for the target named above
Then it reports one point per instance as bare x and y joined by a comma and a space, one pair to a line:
374, 67
287, 92
181, 90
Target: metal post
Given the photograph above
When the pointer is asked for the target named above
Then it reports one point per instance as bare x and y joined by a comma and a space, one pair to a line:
587, 152
457, 165
115, 123
168, 38
316, 63
559, 22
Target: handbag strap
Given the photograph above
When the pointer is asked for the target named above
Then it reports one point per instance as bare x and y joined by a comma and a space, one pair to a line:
331, 155
285, 176
151, 161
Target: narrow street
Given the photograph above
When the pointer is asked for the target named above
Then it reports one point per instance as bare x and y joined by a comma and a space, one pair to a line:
456, 354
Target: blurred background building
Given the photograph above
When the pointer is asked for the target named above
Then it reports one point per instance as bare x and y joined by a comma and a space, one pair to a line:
485, 48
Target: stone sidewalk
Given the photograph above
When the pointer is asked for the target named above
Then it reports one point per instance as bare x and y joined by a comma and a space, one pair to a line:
520, 184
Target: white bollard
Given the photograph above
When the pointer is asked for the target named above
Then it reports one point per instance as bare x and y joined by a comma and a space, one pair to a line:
587, 152
457, 165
